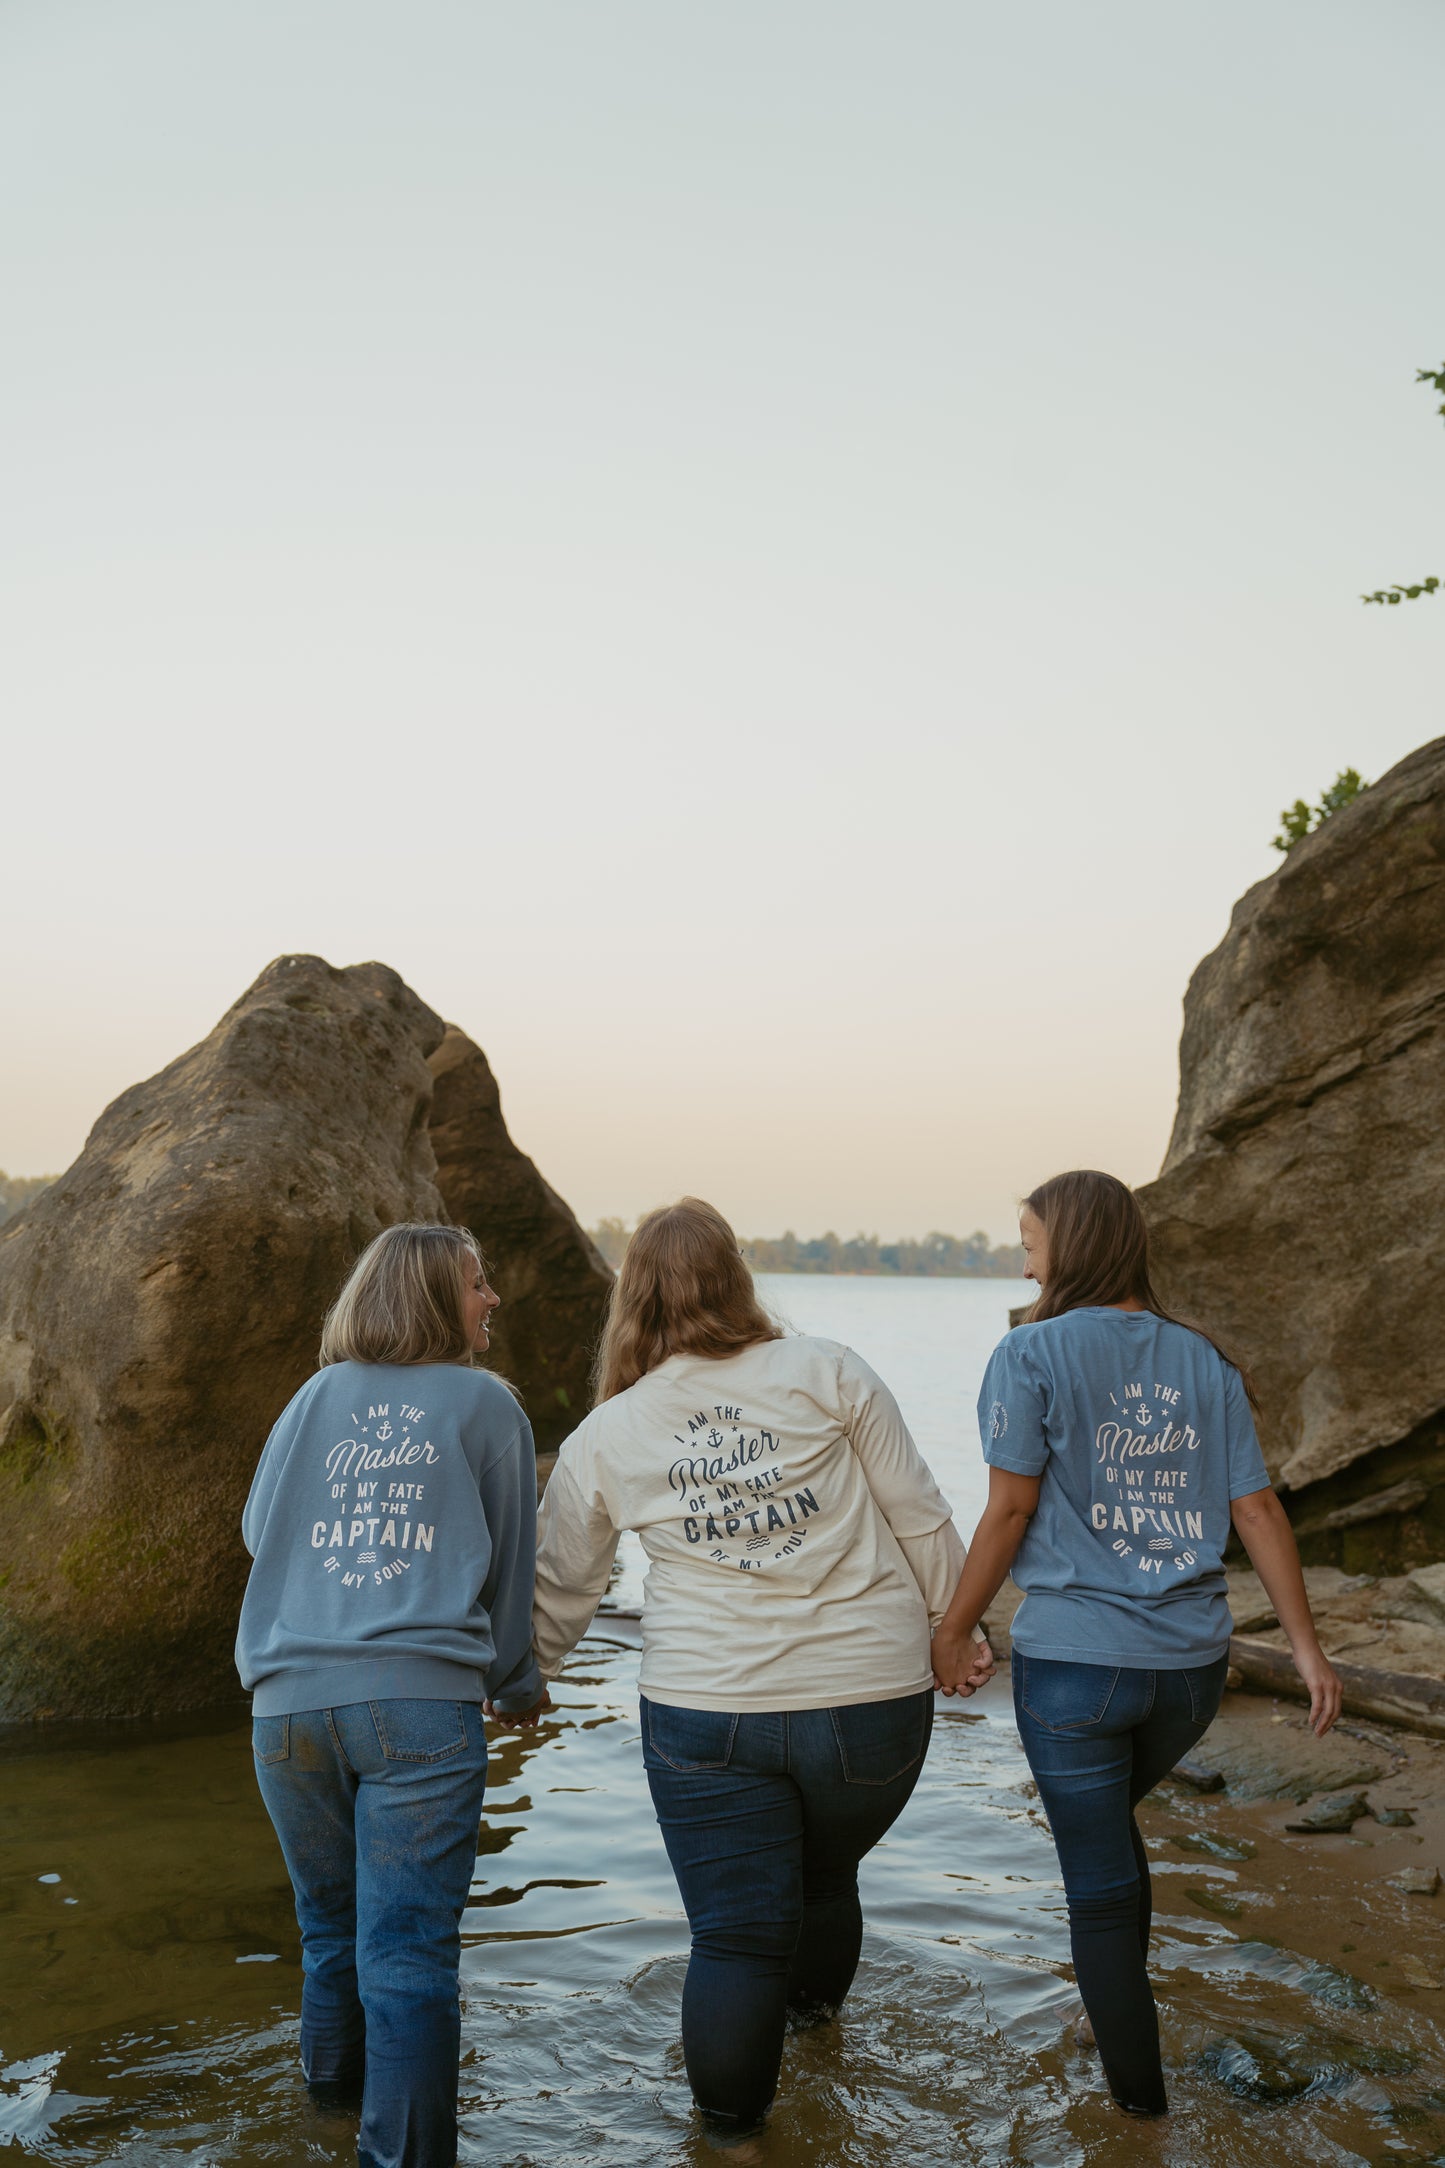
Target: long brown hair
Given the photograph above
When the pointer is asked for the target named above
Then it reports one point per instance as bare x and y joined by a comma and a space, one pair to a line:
402, 1301
683, 1289
1099, 1253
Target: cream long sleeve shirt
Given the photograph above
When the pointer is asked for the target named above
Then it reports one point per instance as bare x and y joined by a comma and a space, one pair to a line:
798, 1548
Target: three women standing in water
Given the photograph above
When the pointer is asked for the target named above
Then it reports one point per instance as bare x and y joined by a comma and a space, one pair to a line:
800, 1555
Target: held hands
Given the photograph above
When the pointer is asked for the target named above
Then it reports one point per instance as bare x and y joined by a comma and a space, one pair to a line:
522, 1717
961, 1665
1326, 1692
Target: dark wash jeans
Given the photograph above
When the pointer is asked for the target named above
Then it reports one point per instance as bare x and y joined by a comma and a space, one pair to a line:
1098, 1738
377, 1806
765, 1818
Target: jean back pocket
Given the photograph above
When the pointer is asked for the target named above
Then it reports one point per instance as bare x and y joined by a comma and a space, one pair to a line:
1206, 1688
687, 1738
419, 1731
1065, 1696
271, 1738
881, 1741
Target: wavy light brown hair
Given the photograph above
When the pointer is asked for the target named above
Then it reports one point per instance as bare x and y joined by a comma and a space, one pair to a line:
402, 1300
683, 1288
1099, 1253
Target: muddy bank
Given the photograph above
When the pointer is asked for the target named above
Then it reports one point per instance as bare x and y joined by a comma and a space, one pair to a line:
1360, 1900
1332, 1849
1385, 1634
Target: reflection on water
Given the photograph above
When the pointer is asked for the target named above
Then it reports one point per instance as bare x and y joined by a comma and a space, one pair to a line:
151, 1991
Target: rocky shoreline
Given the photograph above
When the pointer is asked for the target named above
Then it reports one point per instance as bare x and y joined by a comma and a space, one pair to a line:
1327, 1850
1385, 1635
1375, 1786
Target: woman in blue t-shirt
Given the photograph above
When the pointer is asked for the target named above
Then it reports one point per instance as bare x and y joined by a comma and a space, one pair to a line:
1120, 1448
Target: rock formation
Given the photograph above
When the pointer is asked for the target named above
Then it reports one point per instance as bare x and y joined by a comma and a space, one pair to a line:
552, 1282
159, 1304
1300, 1212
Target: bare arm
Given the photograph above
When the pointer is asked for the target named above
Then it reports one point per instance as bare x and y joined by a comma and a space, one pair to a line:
1012, 1502
1262, 1526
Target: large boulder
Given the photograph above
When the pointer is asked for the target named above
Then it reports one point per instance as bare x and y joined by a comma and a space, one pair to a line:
160, 1303
1300, 1212
553, 1283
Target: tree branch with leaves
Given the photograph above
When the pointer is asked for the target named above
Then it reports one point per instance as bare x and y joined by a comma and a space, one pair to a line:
1412, 590
1300, 820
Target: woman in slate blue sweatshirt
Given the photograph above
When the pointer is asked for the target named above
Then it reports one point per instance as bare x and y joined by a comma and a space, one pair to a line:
1121, 1449
392, 1522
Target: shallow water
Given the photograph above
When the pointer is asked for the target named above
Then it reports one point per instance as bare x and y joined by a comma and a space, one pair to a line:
150, 1977
151, 1991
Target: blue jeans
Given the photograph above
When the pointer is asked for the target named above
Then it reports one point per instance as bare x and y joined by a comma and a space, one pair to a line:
765, 1818
1098, 1738
377, 1806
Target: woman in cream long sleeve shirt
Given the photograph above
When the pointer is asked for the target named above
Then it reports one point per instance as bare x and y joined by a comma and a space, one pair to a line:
798, 1552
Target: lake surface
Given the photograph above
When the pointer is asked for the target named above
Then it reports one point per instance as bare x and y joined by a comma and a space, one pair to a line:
150, 1976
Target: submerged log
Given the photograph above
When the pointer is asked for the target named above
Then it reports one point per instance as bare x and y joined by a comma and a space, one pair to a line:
1399, 1697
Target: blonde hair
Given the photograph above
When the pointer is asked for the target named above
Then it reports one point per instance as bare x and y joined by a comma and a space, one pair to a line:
683, 1289
402, 1301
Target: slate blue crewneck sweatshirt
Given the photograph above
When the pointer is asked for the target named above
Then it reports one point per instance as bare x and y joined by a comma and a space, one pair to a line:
392, 1521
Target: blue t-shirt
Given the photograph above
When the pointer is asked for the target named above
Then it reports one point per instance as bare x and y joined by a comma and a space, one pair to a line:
1141, 1434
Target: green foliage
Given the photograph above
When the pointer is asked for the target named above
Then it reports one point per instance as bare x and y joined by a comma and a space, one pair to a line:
1296, 822
1300, 820
1344, 790
1409, 591
937, 1256
1404, 594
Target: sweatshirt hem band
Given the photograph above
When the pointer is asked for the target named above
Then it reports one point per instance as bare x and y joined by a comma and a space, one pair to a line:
335, 1686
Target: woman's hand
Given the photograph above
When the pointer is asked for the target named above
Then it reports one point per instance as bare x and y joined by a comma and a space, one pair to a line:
983, 1669
1263, 1528
961, 1665
1326, 1691
519, 1716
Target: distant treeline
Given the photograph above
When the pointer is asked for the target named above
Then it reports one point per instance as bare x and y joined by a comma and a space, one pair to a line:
18, 1189
936, 1257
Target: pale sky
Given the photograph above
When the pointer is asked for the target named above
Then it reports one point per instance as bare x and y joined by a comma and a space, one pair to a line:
777, 560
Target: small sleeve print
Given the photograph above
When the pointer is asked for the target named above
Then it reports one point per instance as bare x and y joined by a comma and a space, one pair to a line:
1011, 1412
1247, 1471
